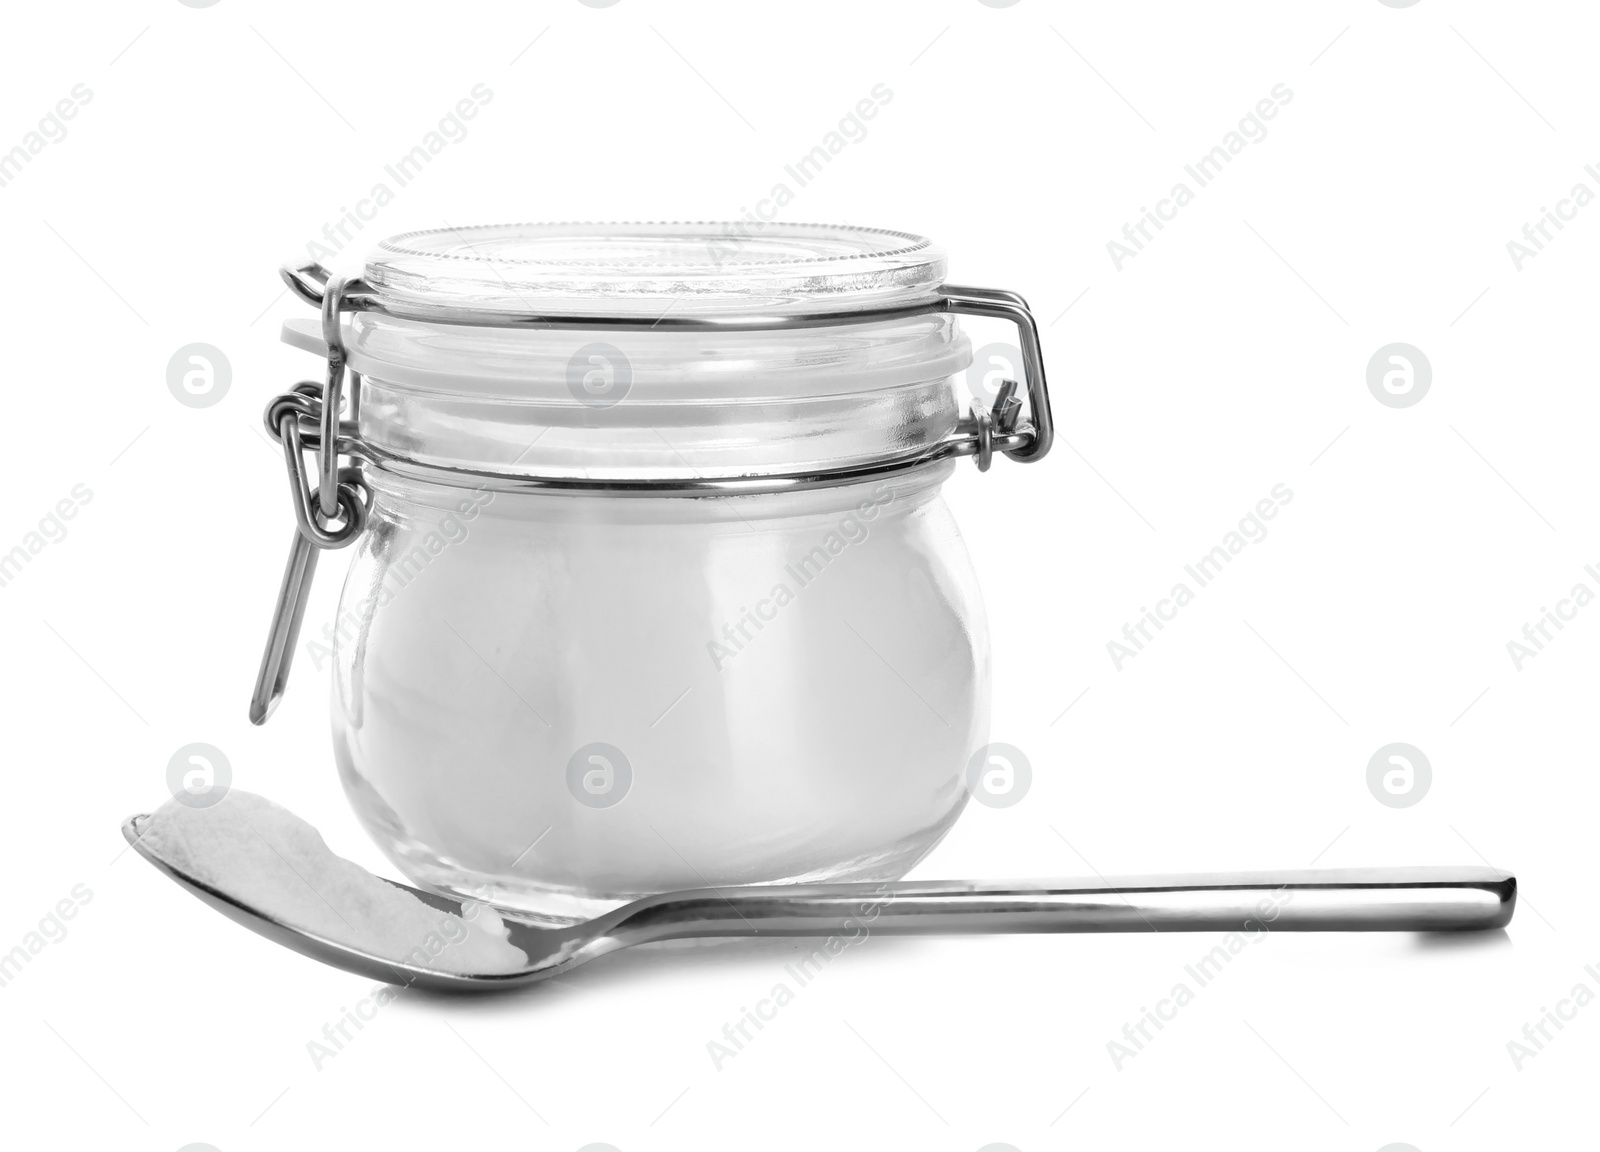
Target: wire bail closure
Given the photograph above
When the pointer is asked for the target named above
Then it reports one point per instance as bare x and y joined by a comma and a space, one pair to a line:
334, 513
331, 515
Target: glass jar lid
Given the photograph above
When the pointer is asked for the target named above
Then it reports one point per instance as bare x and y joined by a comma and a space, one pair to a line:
653, 269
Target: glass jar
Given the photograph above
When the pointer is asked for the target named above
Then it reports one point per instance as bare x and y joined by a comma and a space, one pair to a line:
653, 585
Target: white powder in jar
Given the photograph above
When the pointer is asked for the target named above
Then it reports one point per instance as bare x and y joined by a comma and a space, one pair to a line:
269, 860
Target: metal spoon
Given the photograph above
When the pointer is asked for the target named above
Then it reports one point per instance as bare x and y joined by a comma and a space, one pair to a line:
1354, 900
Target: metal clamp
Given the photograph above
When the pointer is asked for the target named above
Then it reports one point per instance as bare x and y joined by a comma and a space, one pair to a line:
331, 515
1001, 419
334, 513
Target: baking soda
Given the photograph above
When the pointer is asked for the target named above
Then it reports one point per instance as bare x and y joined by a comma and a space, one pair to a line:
269, 860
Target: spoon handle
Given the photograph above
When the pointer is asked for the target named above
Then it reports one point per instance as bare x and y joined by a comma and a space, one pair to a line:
1355, 900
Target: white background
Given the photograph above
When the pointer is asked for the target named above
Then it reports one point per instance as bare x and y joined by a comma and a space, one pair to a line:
1227, 357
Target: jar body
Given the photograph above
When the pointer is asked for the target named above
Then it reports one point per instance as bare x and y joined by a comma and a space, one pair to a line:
560, 702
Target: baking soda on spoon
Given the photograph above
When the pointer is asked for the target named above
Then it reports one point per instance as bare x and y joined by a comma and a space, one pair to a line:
268, 859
